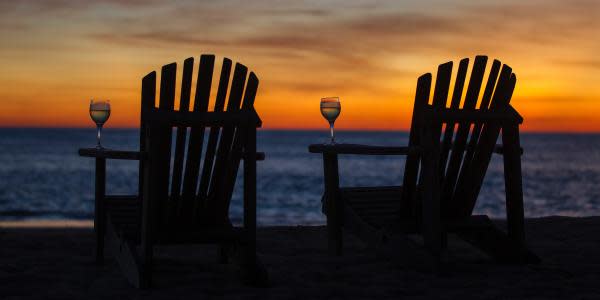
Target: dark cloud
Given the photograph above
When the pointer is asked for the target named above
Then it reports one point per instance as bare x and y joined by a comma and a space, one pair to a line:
157, 39
357, 43
286, 12
71, 5
590, 63
481, 26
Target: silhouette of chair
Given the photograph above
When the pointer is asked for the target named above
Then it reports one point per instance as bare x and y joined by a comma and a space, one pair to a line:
450, 147
186, 201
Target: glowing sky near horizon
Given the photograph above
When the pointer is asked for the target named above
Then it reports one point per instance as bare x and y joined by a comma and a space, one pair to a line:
56, 55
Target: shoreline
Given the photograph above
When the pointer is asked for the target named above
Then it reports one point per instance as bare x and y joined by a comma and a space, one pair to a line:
47, 223
89, 223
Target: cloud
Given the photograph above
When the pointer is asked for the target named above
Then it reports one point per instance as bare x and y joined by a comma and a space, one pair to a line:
472, 26
156, 38
590, 63
361, 42
372, 49
50, 6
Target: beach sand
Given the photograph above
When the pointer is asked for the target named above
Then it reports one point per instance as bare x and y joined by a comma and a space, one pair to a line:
55, 262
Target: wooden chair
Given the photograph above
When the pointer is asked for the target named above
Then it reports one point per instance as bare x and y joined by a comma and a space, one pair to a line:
186, 201
450, 146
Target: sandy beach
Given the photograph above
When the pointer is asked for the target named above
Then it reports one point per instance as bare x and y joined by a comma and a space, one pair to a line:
55, 262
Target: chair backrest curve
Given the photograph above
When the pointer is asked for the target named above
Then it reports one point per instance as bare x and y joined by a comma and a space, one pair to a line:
192, 177
466, 146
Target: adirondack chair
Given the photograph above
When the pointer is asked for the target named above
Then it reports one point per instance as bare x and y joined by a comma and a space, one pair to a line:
186, 201
450, 148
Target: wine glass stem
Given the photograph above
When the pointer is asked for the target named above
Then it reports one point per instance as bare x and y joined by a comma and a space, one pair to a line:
99, 127
332, 135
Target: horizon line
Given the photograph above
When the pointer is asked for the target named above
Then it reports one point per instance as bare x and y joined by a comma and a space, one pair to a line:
527, 131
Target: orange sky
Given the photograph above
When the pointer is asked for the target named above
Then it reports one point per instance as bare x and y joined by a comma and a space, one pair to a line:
56, 55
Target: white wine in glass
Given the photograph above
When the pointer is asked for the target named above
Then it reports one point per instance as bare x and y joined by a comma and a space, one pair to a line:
99, 111
330, 109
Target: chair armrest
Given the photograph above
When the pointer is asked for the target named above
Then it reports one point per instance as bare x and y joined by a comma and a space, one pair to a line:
499, 149
260, 156
361, 149
112, 154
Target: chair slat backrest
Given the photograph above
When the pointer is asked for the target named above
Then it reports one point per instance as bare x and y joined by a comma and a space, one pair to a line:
454, 105
470, 183
240, 135
166, 102
183, 193
409, 205
215, 202
190, 183
462, 132
184, 105
466, 145
213, 138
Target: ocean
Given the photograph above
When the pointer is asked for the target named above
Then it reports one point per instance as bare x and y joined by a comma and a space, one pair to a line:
42, 177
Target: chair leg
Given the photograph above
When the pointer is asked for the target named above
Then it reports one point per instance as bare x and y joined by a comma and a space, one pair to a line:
483, 234
444, 244
259, 275
354, 224
244, 256
146, 267
99, 211
432, 226
223, 256
254, 271
334, 232
124, 252
99, 247
513, 184
333, 205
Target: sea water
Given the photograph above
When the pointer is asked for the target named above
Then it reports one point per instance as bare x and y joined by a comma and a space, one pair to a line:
42, 177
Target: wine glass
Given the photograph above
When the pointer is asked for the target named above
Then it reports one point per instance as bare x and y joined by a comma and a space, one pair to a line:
99, 111
330, 109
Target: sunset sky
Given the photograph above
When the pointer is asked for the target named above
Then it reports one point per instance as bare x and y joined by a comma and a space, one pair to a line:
56, 55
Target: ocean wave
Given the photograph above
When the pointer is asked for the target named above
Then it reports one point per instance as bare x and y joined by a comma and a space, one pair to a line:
41, 175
